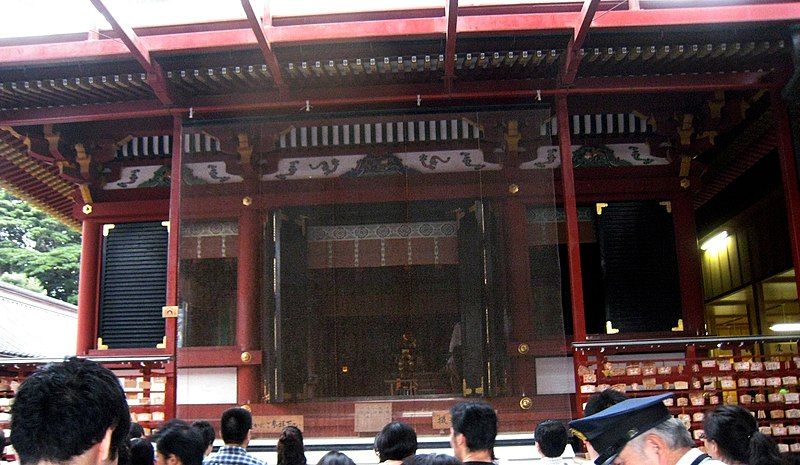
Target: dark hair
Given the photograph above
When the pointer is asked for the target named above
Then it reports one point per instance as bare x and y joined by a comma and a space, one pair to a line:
206, 432
551, 435
477, 421
602, 400
335, 457
236, 422
791, 458
63, 409
291, 450
396, 441
182, 441
141, 452
136, 431
431, 459
735, 431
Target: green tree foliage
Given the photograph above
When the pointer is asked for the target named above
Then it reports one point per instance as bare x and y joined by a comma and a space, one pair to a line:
20, 280
37, 246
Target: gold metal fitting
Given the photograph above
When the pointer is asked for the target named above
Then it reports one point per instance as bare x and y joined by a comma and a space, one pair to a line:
685, 183
523, 348
87, 209
247, 407
525, 403
246, 357
247, 201
513, 188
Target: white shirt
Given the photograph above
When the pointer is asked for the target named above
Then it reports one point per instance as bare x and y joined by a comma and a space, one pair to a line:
693, 453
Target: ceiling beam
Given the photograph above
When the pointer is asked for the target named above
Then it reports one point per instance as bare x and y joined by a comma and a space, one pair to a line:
572, 58
155, 75
451, 15
263, 43
340, 98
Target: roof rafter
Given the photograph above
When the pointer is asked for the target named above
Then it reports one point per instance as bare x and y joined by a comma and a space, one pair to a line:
397, 94
155, 75
264, 44
572, 60
451, 15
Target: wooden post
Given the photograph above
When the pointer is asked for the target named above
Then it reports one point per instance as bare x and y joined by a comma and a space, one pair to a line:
247, 379
791, 193
690, 274
88, 286
173, 262
573, 241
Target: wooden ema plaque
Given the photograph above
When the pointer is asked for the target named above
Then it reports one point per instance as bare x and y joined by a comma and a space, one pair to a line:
275, 423
372, 417
441, 419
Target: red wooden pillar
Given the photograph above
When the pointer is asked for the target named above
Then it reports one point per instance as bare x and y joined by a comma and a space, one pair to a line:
789, 180
689, 268
247, 325
173, 262
571, 214
88, 286
573, 240
519, 279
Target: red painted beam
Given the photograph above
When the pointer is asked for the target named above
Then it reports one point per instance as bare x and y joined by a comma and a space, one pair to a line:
572, 60
407, 28
155, 75
392, 94
451, 16
264, 45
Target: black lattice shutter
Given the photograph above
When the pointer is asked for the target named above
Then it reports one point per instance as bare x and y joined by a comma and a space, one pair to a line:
640, 270
133, 285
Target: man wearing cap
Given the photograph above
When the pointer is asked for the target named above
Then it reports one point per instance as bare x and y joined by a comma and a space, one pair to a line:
640, 432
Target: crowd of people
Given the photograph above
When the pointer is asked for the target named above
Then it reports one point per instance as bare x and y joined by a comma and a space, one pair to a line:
75, 413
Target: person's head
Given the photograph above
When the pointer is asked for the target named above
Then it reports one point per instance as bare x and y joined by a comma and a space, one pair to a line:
207, 433
291, 450
236, 424
396, 441
598, 402
731, 435
669, 439
551, 438
141, 452
613, 430
474, 427
136, 431
335, 457
179, 444
602, 400
71, 411
431, 459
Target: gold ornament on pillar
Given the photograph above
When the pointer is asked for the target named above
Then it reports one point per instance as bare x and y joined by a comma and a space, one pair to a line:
246, 357
513, 188
523, 348
247, 201
526, 403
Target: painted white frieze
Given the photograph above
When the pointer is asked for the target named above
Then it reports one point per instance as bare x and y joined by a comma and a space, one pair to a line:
356, 166
586, 156
132, 177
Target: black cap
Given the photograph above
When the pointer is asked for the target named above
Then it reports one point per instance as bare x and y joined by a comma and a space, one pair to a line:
609, 430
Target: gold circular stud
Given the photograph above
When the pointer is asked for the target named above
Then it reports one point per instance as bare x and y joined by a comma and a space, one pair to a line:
525, 403
247, 407
513, 188
246, 357
87, 209
685, 183
247, 201
523, 348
